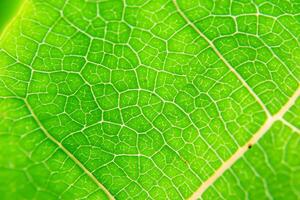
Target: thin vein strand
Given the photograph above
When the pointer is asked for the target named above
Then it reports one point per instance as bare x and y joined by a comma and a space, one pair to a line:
78, 163
241, 151
211, 44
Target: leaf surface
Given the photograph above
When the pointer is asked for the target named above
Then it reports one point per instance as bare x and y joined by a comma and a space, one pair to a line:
150, 100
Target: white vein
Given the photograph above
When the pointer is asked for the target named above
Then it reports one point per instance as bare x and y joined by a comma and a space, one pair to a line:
241, 151
211, 44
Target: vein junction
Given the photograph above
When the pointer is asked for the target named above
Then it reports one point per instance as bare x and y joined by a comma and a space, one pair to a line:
242, 150
149, 97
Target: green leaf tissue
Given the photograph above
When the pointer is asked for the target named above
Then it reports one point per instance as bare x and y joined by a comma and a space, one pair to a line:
149, 99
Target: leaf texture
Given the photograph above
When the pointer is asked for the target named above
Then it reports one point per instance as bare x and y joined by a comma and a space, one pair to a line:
150, 99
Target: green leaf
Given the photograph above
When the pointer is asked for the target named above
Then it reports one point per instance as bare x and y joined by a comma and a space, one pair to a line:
7, 9
156, 99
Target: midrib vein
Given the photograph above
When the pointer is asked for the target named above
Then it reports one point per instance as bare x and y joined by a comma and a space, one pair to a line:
241, 151
211, 44
77, 162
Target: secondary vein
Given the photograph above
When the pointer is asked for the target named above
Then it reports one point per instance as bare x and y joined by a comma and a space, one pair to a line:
79, 164
211, 44
241, 151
